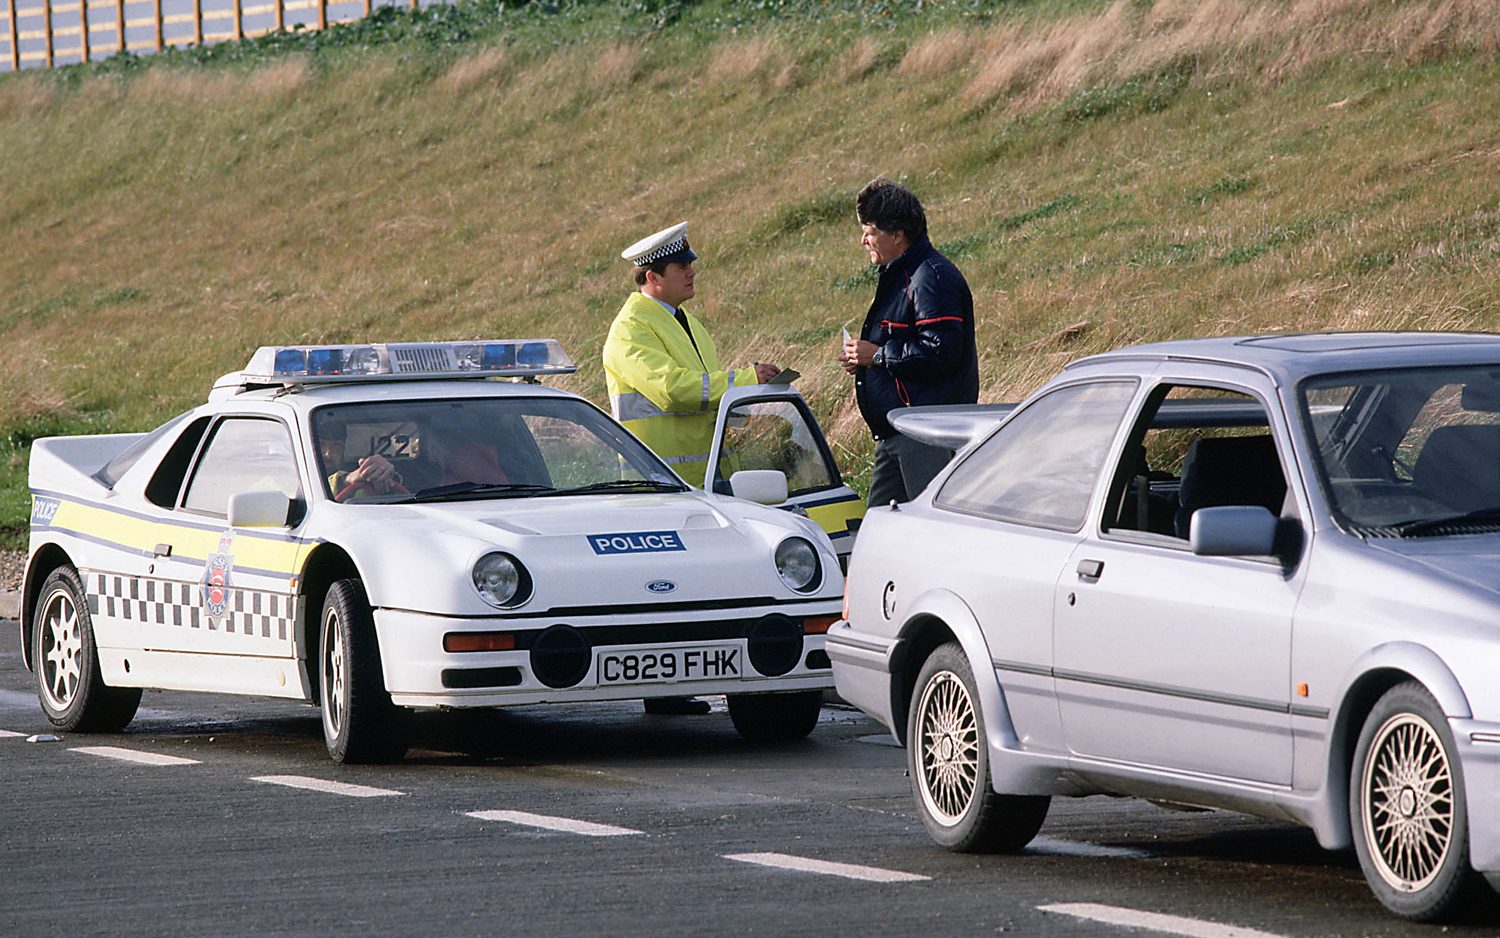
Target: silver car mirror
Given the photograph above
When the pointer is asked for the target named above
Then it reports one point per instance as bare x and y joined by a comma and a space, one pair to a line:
1233, 531
765, 486
268, 509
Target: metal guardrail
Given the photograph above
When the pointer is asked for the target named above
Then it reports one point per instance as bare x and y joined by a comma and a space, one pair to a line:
33, 31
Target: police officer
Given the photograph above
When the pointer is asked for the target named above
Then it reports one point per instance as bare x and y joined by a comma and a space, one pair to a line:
660, 364
663, 374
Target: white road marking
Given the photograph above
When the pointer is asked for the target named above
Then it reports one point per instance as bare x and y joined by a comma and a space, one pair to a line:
562, 824
872, 874
324, 785
133, 755
1154, 921
1068, 848
9, 734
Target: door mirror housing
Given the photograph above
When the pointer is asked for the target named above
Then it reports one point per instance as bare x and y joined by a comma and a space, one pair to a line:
764, 486
268, 509
1233, 531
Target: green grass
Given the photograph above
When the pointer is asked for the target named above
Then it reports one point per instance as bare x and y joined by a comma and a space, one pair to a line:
474, 170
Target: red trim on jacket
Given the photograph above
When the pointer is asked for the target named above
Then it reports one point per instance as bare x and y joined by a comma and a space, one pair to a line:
923, 322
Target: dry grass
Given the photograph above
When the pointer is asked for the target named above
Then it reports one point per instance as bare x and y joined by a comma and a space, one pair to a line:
860, 60
742, 62
485, 68
937, 54
159, 228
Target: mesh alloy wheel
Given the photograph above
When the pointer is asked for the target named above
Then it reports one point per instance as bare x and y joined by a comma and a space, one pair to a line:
1407, 786
949, 742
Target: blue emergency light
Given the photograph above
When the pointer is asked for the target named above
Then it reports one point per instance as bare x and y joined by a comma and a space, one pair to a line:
503, 358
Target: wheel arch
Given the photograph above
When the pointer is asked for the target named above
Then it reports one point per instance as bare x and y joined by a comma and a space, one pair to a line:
326, 564
1376, 672
43, 561
934, 618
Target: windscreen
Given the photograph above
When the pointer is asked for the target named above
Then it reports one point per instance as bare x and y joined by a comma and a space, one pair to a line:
478, 448
1409, 452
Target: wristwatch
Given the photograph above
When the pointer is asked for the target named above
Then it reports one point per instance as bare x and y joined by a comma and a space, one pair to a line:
878, 359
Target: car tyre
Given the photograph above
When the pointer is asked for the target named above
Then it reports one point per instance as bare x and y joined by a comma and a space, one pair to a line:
69, 685
949, 764
775, 718
360, 724
1407, 808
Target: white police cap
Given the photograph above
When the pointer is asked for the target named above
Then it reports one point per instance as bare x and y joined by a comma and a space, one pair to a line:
669, 244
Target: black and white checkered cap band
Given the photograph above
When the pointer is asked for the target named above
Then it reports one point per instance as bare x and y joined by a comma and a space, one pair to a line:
666, 251
178, 604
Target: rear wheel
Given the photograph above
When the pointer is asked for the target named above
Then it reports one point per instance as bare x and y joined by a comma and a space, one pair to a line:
360, 724
1407, 807
71, 690
775, 718
949, 762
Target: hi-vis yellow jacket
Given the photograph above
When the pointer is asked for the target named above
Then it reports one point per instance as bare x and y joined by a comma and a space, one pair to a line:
663, 389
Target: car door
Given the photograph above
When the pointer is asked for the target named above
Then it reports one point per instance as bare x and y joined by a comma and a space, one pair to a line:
1014, 510
1165, 658
770, 426
218, 589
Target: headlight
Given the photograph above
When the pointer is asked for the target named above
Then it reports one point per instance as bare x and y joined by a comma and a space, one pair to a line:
797, 564
501, 580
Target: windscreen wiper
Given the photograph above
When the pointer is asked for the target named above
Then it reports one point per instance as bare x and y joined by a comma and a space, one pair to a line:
622, 485
1426, 526
438, 493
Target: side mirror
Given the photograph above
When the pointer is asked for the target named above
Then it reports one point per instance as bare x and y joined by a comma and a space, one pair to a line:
765, 486
1233, 531
267, 509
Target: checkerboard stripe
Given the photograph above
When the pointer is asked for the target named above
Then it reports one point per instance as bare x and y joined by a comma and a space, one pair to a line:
180, 604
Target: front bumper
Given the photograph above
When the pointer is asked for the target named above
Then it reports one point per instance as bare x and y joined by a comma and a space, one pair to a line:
862, 668
1479, 754
747, 652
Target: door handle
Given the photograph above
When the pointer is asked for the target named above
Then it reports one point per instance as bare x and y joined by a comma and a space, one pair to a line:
1090, 569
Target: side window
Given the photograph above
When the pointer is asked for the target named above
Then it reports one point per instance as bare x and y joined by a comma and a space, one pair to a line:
167, 481
244, 454
1195, 447
1040, 468
774, 435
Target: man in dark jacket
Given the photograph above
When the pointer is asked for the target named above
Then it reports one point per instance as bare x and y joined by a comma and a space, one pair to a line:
917, 342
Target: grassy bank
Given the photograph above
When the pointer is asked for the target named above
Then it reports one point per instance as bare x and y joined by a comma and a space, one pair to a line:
1104, 173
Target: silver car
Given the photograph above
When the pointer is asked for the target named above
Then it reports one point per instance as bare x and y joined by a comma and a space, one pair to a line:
1255, 574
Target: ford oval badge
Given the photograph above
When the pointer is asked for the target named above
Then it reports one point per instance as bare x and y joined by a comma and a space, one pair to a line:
661, 586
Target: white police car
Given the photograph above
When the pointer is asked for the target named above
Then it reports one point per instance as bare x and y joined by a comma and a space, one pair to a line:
386, 528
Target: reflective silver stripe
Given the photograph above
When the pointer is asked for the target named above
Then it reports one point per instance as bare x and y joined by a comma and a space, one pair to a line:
731, 377
637, 406
679, 460
705, 389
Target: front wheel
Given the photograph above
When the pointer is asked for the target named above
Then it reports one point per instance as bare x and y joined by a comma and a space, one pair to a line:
775, 718
949, 762
360, 724
71, 690
1407, 808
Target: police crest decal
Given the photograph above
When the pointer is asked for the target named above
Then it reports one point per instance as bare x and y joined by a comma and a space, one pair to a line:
217, 569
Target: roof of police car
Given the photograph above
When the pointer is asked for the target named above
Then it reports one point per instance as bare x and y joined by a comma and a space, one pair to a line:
1291, 356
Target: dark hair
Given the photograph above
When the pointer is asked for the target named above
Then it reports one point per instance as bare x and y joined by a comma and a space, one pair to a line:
656, 267
890, 206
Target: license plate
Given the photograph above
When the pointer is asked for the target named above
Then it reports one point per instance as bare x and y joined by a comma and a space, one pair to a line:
699, 663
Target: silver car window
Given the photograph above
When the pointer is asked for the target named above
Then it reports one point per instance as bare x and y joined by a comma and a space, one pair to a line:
1040, 467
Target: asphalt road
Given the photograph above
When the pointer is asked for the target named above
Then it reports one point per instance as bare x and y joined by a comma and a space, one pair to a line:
485, 828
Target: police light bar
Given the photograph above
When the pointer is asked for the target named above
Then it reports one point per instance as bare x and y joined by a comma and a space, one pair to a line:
510, 358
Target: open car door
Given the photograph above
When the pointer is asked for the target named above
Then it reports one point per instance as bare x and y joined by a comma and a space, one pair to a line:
770, 426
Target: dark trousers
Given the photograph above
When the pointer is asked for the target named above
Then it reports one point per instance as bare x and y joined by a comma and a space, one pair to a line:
903, 467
